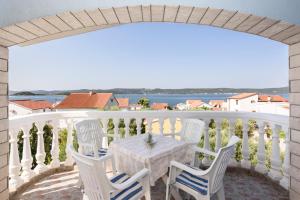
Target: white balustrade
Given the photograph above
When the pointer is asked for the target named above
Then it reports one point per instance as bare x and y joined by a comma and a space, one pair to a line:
275, 171
173, 125
138, 122
55, 147
70, 128
26, 162
245, 146
161, 125
149, 125
218, 134
261, 152
285, 181
231, 130
40, 152
206, 145
170, 117
116, 128
127, 128
14, 162
104, 122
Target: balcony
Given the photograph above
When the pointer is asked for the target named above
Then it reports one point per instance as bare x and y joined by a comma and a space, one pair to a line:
259, 169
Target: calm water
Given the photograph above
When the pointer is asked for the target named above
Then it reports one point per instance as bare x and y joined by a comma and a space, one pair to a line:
171, 99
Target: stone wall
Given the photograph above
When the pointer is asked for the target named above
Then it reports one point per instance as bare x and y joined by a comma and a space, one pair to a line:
3, 123
294, 82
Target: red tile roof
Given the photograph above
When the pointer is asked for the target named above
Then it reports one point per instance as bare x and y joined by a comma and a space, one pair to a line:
271, 98
123, 102
33, 104
242, 95
159, 106
194, 103
85, 100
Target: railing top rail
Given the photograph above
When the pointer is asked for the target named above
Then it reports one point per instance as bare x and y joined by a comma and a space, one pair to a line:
204, 115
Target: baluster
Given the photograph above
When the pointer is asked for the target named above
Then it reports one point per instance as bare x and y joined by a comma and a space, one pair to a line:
231, 129
245, 147
149, 125
206, 145
26, 162
173, 126
275, 172
261, 154
127, 122
14, 163
40, 152
285, 181
116, 129
55, 147
104, 127
138, 122
218, 134
70, 125
161, 126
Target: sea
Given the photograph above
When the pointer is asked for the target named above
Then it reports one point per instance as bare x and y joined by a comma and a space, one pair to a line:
171, 99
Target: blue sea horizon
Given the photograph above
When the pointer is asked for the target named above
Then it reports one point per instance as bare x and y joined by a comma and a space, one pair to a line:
171, 99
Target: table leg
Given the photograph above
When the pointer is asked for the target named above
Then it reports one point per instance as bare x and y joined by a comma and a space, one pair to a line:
174, 193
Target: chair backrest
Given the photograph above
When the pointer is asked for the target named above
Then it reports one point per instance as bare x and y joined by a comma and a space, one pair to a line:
192, 130
220, 163
93, 176
90, 136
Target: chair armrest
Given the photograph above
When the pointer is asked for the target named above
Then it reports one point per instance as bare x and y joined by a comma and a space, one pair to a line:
205, 151
138, 176
197, 172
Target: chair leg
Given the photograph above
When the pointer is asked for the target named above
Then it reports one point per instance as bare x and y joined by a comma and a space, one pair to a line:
221, 193
168, 195
148, 195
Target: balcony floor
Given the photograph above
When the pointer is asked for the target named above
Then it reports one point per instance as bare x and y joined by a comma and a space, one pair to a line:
239, 184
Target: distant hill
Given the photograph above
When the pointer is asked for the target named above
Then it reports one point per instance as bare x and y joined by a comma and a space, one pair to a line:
25, 93
157, 91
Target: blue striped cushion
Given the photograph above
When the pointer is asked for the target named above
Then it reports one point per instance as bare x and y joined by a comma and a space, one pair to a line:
101, 151
130, 192
194, 182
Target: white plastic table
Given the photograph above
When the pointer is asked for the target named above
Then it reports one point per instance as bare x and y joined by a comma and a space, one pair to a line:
132, 154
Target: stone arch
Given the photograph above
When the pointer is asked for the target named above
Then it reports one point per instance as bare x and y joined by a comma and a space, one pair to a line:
71, 23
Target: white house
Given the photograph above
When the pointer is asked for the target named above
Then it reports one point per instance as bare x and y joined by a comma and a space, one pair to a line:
243, 102
181, 106
196, 104
252, 102
25, 107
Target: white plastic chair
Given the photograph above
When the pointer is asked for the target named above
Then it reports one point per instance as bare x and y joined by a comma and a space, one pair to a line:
90, 137
192, 130
202, 184
97, 186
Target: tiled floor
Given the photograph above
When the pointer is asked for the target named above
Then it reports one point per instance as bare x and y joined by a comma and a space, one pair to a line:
239, 185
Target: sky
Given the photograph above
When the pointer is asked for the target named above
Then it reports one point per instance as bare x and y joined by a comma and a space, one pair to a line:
151, 55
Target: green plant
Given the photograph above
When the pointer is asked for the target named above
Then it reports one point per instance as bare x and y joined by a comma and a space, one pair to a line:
33, 144
63, 135
48, 142
144, 102
75, 141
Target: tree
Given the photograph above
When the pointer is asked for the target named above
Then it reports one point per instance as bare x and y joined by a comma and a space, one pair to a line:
144, 102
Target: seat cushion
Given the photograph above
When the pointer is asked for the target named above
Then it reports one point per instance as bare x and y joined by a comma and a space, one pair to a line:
101, 152
194, 182
131, 192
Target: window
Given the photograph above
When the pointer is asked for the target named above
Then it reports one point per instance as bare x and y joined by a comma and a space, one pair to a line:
236, 102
